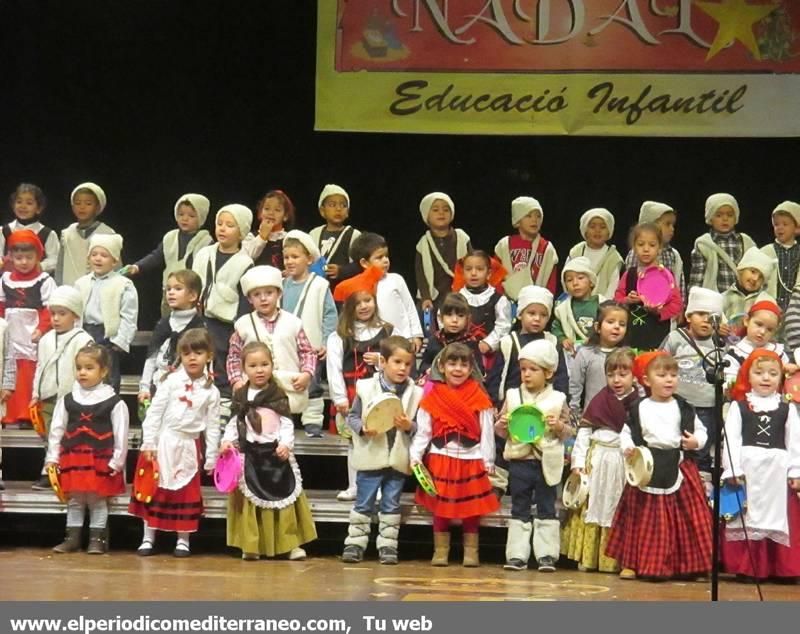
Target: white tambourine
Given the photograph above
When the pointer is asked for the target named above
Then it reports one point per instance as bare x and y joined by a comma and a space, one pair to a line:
380, 412
576, 491
639, 467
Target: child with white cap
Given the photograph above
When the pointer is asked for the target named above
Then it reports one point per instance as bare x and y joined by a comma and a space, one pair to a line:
308, 296
88, 202
752, 273
575, 315
55, 364
110, 301
294, 358
177, 248
220, 267
535, 469
597, 228
275, 214
690, 346
527, 256
664, 217
24, 293
716, 253
28, 202
438, 249
785, 250
335, 238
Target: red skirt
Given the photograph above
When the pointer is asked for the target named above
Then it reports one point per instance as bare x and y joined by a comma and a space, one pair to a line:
463, 488
17, 404
664, 535
85, 470
177, 511
769, 558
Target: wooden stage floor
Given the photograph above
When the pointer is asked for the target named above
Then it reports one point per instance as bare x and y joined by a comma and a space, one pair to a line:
38, 574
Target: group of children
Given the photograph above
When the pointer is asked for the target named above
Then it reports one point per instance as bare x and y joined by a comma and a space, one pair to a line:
255, 323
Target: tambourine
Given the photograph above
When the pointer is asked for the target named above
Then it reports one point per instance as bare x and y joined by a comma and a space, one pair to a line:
228, 471
424, 478
380, 412
35, 413
655, 285
639, 467
145, 481
791, 388
576, 490
55, 482
526, 424
732, 501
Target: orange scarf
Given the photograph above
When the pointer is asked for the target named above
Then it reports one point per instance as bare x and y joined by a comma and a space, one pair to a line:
454, 410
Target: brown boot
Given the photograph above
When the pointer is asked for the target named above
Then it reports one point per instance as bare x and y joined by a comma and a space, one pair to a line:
72, 541
98, 541
471, 550
441, 548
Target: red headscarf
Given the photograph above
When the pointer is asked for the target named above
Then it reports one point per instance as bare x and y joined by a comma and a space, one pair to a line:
365, 281
742, 385
26, 236
643, 360
497, 274
765, 304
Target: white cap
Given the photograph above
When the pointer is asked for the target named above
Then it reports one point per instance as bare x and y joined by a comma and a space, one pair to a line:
598, 212
306, 240
427, 202
541, 352
241, 214
95, 189
522, 206
200, 204
755, 258
715, 201
111, 242
793, 209
330, 190
67, 297
704, 300
581, 264
534, 295
651, 211
260, 277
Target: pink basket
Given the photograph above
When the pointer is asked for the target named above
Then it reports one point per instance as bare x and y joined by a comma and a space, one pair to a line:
228, 471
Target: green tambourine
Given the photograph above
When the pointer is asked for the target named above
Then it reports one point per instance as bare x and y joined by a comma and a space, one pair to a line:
424, 478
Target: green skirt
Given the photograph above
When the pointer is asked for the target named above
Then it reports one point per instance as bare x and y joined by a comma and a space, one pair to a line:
269, 532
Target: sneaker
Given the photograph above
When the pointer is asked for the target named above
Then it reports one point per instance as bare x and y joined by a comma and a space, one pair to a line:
146, 549
42, 484
387, 556
297, 554
348, 495
250, 556
627, 573
313, 431
515, 564
352, 554
547, 564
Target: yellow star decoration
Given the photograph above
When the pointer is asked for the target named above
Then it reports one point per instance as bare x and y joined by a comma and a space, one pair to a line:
736, 19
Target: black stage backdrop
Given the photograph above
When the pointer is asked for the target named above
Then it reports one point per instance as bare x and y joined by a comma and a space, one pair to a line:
152, 99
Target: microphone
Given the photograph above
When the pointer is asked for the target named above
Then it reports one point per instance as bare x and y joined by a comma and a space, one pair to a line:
716, 322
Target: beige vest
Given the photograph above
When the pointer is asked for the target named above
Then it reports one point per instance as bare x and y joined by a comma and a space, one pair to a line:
223, 295
572, 330
370, 453
283, 343
55, 367
75, 258
170, 244
609, 265
516, 280
549, 449
507, 345
314, 290
713, 253
110, 299
428, 251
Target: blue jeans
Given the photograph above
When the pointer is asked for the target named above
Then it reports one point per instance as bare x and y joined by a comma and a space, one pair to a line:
368, 483
703, 455
525, 478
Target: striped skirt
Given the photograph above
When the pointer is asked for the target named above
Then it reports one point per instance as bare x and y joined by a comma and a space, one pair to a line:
463, 488
664, 535
85, 470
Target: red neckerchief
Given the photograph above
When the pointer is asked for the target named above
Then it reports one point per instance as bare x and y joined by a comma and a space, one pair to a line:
26, 277
454, 410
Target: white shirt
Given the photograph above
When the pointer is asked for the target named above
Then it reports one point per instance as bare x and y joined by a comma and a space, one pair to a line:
283, 431
91, 396
484, 450
396, 306
661, 426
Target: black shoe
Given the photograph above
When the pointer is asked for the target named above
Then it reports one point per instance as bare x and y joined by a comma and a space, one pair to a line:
147, 549
515, 564
547, 564
25, 424
181, 552
352, 554
387, 556
42, 484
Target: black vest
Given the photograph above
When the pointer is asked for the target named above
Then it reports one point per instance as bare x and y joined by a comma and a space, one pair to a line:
89, 424
484, 316
764, 429
645, 330
24, 296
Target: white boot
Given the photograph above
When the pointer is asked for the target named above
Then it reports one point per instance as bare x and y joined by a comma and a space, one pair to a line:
518, 545
357, 537
546, 543
388, 531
